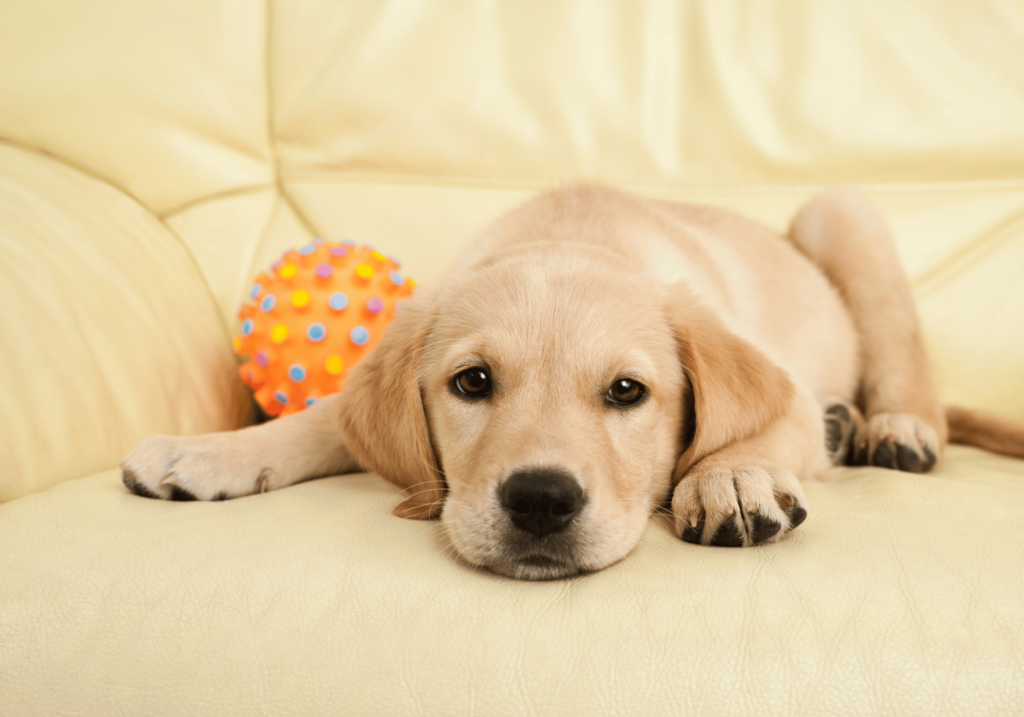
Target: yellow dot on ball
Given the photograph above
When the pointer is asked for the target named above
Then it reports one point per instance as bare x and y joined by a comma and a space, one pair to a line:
333, 364
237, 343
287, 271
279, 333
378, 256
300, 298
411, 283
364, 271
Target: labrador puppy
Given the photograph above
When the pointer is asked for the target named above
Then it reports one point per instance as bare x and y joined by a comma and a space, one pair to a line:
594, 357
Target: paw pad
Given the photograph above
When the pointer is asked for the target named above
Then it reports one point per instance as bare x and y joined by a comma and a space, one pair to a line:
133, 484
180, 494
764, 528
841, 422
728, 534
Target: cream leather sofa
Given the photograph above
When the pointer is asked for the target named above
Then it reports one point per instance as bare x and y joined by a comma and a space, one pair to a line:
155, 155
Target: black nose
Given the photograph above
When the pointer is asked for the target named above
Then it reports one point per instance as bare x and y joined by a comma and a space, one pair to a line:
541, 501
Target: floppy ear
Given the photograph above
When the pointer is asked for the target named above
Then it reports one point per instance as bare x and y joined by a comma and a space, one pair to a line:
736, 390
382, 417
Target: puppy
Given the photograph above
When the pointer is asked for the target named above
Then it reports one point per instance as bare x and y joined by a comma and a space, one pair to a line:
594, 357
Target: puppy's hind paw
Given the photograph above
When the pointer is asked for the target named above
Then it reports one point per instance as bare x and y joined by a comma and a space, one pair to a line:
900, 441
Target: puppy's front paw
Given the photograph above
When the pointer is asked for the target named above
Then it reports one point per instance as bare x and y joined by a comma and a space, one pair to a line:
737, 506
191, 468
901, 441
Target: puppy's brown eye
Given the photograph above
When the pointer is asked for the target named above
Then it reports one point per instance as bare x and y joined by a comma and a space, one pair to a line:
474, 383
625, 392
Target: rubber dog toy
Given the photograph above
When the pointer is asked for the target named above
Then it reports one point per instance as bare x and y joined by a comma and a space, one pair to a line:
311, 318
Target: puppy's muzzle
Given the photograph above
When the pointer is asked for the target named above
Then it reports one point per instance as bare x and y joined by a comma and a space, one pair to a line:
541, 501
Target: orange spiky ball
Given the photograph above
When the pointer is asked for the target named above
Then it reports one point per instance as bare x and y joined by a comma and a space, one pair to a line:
313, 317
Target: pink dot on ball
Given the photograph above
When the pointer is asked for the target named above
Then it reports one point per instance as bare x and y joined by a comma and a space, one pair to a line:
374, 304
261, 358
324, 270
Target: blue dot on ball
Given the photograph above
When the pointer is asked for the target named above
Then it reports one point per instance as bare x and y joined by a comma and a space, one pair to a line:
308, 249
296, 372
316, 331
268, 302
247, 327
396, 278
337, 301
359, 335
310, 400
281, 397
255, 291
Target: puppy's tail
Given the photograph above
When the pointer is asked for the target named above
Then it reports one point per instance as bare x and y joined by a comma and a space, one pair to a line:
985, 430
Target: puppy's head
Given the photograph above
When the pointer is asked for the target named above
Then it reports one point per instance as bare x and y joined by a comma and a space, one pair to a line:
536, 404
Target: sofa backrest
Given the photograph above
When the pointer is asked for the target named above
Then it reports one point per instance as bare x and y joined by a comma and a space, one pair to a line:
201, 139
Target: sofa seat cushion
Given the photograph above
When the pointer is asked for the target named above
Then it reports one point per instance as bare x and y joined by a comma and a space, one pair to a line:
900, 594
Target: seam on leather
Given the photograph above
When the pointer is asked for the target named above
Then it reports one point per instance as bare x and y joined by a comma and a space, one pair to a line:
92, 174
226, 194
275, 158
952, 266
727, 188
254, 249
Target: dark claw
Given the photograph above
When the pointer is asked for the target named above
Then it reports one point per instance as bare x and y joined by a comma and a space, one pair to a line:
691, 534
797, 516
764, 528
728, 534
929, 460
794, 511
861, 459
884, 456
907, 459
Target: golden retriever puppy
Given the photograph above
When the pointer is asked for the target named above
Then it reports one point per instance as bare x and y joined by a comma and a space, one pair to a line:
595, 356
